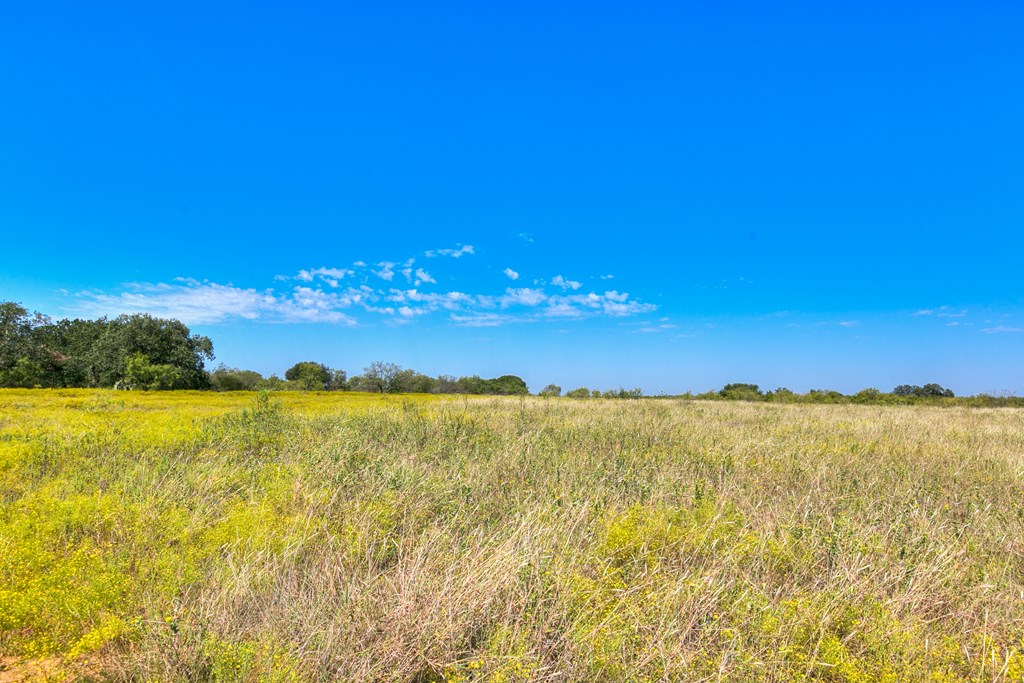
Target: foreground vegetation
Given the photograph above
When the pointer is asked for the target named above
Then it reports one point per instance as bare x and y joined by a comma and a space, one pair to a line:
359, 537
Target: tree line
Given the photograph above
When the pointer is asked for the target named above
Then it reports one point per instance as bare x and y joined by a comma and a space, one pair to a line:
144, 352
139, 350
904, 394
377, 377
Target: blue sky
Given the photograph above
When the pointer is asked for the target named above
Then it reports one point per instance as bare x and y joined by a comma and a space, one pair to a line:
664, 195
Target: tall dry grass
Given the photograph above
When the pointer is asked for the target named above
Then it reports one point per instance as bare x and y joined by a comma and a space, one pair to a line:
350, 538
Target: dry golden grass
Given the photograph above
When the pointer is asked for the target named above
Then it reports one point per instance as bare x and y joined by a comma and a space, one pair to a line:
344, 537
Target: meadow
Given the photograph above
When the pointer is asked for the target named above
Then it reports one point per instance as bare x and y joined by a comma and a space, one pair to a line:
337, 536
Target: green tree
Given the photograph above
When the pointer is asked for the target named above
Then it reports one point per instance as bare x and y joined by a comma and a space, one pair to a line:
380, 376
551, 390
234, 379
24, 375
310, 376
141, 374
582, 392
24, 360
507, 385
409, 381
161, 341
339, 381
741, 392
70, 343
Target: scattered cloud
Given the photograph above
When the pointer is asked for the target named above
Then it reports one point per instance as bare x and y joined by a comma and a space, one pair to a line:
560, 281
482, 319
999, 329
525, 296
847, 323
195, 302
458, 252
942, 312
607, 277
526, 237
386, 272
654, 329
341, 295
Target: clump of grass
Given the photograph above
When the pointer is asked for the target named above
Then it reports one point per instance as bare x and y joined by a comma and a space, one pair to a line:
333, 537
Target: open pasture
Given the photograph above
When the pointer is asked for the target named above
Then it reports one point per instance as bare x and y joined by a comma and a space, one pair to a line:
356, 537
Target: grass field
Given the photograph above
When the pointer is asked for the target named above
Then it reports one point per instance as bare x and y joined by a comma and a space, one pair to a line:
352, 537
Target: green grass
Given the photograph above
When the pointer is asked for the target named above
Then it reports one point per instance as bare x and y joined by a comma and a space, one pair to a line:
353, 537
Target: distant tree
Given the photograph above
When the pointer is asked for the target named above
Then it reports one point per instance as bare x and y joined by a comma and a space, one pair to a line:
234, 379
741, 392
446, 384
273, 383
359, 383
551, 390
868, 395
936, 390
927, 391
473, 384
507, 385
582, 392
339, 381
824, 396
310, 376
409, 381
381, 376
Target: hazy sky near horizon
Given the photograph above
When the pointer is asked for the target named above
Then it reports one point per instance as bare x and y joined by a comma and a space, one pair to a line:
666, 195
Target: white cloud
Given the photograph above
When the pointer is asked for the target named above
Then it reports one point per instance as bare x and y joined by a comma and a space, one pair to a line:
622, 309
386, 271
561, 307
560, 281
423, 277
331, 276
482, 320
459, 252
999, 329
847, 323
942, 312
198, 303
653, 329
525, 296
338, 295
